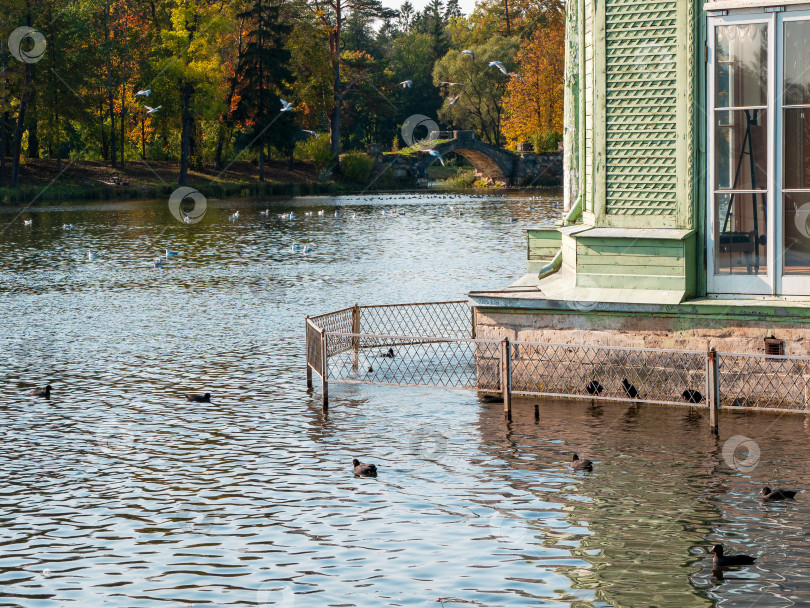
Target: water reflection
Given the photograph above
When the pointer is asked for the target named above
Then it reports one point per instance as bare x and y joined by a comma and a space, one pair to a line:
117, 492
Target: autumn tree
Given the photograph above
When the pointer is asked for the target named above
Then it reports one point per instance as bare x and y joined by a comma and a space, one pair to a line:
533, 107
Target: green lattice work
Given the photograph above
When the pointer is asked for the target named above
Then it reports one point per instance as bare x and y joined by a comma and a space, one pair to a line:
641, 104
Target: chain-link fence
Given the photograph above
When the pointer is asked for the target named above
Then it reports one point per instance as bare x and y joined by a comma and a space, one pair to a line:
434, 345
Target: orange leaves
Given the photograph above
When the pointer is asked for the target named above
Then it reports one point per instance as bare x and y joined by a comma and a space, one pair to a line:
535, 107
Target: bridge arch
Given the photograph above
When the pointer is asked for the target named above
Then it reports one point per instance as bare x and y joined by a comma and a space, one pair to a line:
492, 162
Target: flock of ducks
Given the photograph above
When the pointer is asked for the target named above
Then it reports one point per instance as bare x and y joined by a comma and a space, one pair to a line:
595, 388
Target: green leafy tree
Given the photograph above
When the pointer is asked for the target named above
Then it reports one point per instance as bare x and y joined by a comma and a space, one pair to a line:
479, 106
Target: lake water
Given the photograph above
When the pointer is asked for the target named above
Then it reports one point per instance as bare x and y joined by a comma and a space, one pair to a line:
117, 492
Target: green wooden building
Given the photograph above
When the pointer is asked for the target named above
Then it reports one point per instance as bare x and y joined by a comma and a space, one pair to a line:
687, 181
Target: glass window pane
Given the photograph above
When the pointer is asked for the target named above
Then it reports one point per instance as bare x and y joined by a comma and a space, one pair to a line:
741, 149
741, 234
742, 65
797, 233
797, 65
797, 148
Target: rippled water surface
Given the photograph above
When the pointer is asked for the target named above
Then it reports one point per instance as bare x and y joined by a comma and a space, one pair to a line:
117, 492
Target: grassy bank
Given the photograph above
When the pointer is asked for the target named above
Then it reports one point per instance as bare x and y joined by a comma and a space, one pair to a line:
43, 180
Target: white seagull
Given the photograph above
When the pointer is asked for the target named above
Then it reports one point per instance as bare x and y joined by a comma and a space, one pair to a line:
454, 100
92, 255
469, 53
518, 76
498, 65
286, 106
152, 110
313, 133
28, 222
265, 212
67, 226
145, 93
171, 254
437, 155
157, 263
406, 84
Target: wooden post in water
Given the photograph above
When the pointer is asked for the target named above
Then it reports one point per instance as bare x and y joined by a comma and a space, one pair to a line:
324, 382
713, 382
309, 366
355, 338
506, 375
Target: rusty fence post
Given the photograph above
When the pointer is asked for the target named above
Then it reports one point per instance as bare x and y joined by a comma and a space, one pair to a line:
324, 367
355, 337
713, 386
309, 346
506, 378
472, 321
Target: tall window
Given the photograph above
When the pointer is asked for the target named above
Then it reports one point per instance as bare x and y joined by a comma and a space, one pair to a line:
759, 172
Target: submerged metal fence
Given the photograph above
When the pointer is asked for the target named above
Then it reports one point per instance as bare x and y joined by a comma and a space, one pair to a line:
434, 345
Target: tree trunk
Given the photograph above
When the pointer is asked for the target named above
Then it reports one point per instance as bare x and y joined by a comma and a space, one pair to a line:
261, 162
33, 121
16, 146
110, 99
185, 136
104, 147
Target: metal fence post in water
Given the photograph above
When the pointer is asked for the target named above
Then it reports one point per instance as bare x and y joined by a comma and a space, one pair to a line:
324, 383
355, 339
506, 377
713, 385
309, 364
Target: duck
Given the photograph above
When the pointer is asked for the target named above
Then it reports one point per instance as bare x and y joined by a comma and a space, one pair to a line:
629, 389
364, 470
721, 561
197, 398
389, 354
581, 465
692, 396
41, 392
594, 387
779, 494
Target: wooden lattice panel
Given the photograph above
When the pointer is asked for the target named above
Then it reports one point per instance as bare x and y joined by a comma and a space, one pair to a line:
641, 90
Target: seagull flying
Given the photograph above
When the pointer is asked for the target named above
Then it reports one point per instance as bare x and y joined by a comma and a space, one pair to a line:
28, 222
145, 93
518, 76
286, 106
454, 100
498, 65
468, 52
152, 110
437, 155
406, 84
313, 133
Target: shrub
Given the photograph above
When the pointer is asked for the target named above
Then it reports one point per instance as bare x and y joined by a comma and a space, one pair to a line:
356, 167
461, 180
546, 142
314, 150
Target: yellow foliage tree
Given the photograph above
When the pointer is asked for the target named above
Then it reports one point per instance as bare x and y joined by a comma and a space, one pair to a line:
533, 106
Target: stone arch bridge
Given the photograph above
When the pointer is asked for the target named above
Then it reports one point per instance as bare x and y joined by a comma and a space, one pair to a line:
491, 163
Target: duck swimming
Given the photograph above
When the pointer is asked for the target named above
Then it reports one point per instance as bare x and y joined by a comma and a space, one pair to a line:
43, 392
594, 387
721, 561
206, 398
364, 470
581, 465
629, 389
780, 494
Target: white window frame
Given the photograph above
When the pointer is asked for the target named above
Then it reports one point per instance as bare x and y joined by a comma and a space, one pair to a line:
739, 284
789, 285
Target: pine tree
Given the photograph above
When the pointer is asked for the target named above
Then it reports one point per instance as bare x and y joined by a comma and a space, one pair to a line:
263, 73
